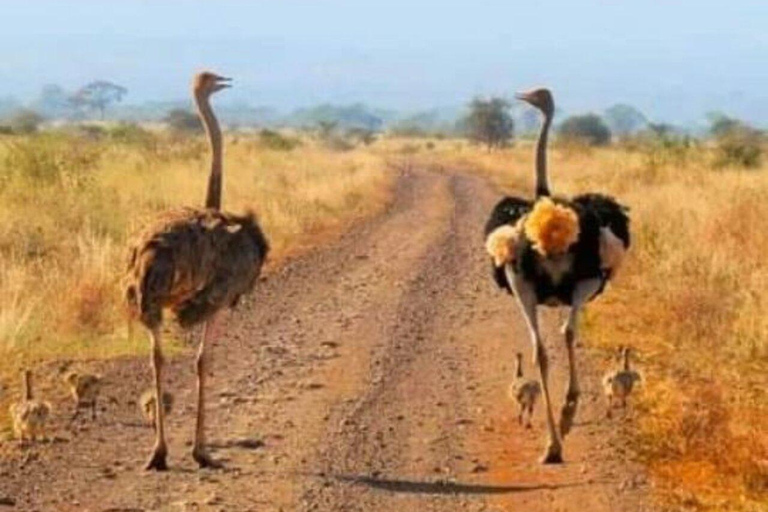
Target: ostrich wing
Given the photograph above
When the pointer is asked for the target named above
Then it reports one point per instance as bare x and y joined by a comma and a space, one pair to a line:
610, 212
507, 211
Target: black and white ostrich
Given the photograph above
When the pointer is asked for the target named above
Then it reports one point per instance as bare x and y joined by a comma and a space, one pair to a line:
555, 251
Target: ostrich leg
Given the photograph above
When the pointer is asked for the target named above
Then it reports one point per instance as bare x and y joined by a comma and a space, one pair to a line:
526, 297
199, 452
160, 451
584, 290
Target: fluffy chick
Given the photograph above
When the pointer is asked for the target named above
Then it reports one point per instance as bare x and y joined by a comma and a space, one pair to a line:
524, 391
147, 404
618, 384
85, 389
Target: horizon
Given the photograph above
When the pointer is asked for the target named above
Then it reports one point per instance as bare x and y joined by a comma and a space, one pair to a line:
672, 63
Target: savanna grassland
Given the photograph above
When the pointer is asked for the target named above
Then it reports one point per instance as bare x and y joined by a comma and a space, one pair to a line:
691, 301
70, 199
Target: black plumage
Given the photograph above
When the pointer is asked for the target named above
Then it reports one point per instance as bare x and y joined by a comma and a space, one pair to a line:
594, 211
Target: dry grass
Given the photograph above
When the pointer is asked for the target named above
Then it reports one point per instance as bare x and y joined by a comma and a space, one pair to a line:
68, 202
692, 300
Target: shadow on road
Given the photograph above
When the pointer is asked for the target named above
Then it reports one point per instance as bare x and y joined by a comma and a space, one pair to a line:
444, 487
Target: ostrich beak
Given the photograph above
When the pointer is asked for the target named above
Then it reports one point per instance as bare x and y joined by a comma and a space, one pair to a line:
222, 82
524, 96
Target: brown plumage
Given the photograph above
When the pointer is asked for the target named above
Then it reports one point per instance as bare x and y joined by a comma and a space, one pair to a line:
29, 415
195, 262
524, 391
85, 389
148, 405
618, 384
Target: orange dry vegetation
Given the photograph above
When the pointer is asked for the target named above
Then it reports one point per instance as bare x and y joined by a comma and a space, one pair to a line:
691, 299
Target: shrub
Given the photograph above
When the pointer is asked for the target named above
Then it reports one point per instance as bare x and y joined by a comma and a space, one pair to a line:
274, 140
25, 121
183, 121
739, 146
589, 128
131, 134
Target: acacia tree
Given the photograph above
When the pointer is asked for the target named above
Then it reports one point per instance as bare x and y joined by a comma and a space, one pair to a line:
98, 95
588, 128
489, 122
625, 119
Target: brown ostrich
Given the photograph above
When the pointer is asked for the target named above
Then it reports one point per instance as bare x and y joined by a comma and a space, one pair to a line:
195, 262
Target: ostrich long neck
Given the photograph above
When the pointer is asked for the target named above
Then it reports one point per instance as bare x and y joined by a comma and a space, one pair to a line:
542, 182
211, 124
518, 368
626, 360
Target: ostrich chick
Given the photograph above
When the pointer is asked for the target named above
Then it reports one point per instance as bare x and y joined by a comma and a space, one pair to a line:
618, 384
147, 403
524, 391
29, 416
85, 389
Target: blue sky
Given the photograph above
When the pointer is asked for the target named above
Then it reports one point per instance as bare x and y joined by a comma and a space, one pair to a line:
674, 59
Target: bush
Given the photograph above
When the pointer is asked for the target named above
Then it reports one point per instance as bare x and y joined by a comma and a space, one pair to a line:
25, 121
589, 128
131, 134
362, 135
183, 121
736, 144
274, 140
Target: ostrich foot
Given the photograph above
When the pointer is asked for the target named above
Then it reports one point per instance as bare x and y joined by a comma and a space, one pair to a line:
157, 461
553, 455
204, 460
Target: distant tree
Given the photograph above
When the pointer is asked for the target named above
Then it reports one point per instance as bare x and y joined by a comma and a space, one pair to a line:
489, 122
183, 121
25, 121
721, 124
98, 95
738, 143
661, 130
53, 101
362, 135
326, 129
625, 119
589, 128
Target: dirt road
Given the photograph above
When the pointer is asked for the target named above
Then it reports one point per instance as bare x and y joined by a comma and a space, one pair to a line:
370, 375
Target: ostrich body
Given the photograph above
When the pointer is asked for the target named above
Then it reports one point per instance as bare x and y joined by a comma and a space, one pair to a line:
29, 415
524, 391
85, 389
195, 262
556, 252
618, 384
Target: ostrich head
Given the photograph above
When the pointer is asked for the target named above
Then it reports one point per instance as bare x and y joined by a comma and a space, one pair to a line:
207, 83
540, 98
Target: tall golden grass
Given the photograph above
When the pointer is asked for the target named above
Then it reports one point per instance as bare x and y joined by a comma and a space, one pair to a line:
69, 201
692, 301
